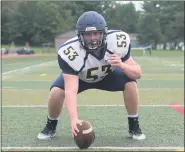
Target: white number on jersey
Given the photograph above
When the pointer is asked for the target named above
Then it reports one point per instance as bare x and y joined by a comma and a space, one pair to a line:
71, 53
104, 70
121, 40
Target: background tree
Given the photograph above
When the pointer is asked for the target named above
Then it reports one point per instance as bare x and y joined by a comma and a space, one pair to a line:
168, 18
161, 22
7, 8
123, 17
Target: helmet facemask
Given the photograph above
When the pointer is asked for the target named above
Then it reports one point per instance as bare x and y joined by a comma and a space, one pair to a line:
95, 45
92, 43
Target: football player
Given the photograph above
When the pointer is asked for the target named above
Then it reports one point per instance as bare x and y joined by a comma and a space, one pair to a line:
96, 58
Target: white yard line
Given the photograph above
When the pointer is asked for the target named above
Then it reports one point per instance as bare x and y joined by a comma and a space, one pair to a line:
18, 89
45, 106
90, 149
29, 67
52, 80
167, 63
7, 74
163, 74
172, 63
29, 80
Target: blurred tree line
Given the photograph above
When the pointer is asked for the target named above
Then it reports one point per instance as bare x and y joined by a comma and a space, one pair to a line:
39, 21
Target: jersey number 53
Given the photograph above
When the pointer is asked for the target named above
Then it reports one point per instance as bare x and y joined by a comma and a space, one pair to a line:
121, 40
71, 53
105, 69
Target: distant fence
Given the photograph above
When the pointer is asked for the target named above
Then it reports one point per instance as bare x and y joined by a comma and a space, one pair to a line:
144, 49
47, 48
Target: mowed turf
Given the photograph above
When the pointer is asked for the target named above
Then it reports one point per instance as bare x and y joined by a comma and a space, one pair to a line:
162, 81
26, 81
162, 126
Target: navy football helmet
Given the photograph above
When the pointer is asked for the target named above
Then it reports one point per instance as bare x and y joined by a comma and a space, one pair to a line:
92, 23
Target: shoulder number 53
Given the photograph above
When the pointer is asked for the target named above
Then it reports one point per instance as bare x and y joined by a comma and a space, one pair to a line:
121, 40
71, 53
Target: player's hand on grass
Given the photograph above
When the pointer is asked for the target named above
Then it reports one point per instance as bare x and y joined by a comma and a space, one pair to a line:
115, 60
74, 127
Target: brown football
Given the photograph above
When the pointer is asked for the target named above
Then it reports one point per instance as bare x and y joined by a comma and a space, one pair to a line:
85, 136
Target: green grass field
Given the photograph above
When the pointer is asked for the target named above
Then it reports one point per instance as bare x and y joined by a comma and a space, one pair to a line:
25, 88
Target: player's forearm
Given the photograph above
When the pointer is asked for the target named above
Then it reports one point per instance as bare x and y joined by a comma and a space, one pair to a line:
71, 105
132, 71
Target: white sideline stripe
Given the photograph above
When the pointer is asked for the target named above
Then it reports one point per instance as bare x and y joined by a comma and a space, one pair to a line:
162, 74
52, 80
17, 89
89, 149
29, 67
29, 80
45, 106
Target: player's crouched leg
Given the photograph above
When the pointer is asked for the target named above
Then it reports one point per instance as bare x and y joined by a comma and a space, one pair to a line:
118, 81
55, 102
131, 99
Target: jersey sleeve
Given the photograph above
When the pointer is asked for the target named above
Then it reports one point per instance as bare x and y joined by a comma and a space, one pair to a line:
64, 66
72, 54
126, 57
119, 43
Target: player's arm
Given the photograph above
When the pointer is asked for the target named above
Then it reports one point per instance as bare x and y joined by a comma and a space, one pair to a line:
71, 88
131, 68
127, 64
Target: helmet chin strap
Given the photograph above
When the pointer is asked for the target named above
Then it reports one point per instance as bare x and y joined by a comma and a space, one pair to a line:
98, 53
93, 44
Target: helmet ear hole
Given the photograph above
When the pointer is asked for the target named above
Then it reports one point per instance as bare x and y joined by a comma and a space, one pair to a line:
81, 39
106, 29
76, 31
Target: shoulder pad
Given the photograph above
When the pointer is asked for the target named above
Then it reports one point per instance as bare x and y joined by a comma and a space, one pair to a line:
72, 53
118, 42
